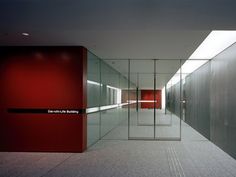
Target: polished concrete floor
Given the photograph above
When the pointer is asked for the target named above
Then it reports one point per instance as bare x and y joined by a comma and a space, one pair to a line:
116, 156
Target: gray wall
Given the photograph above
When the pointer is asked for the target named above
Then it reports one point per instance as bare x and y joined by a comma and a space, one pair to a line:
223, 100
211, 100
197, 96
173, 99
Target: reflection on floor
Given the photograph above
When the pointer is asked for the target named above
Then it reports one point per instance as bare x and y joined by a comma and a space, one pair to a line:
142, 125
194, 156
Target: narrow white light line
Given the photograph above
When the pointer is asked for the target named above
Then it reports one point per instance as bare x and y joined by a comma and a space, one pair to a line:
123, 104
103, 108
108, 107
143, 101
91, 110
94, 83
108, 86
146, 101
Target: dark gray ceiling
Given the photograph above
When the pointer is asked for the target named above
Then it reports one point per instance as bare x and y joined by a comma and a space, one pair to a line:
116, 28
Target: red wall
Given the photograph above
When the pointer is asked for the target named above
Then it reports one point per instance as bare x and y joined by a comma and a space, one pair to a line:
149, 95
46, 78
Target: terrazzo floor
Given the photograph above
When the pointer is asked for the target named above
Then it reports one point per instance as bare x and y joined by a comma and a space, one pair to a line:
194, 156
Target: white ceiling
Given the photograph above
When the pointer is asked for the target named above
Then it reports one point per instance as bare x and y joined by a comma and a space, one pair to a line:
117, 29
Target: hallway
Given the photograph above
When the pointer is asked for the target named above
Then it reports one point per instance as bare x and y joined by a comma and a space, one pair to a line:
193, 156
137, 88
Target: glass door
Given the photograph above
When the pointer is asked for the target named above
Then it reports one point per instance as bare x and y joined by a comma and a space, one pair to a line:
155, 99
141, 99
168, 89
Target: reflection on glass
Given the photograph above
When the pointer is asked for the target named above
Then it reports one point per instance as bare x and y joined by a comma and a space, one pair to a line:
93, 128
114, 122
107, 94
141, 96
93, 98
135, 99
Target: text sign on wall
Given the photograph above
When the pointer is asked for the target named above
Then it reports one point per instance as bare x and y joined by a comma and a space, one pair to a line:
63, 111
45, 111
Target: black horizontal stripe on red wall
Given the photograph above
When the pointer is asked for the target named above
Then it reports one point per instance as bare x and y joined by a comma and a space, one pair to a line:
45, 111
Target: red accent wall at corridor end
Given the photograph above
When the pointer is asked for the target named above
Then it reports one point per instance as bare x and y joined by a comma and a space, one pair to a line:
43, 78
149, 95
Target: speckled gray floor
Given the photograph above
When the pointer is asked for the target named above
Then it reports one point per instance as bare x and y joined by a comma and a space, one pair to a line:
194, 156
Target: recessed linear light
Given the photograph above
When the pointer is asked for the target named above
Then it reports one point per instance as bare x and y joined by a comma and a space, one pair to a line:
25, 34
215, 43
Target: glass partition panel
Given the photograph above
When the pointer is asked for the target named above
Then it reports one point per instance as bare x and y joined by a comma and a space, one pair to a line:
93, 81
114, 94
93, 128
135, 99
141, 99
93, 98
168, 107
109, 121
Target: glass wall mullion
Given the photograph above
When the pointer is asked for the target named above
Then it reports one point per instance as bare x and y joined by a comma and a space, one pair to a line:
154, 96
129, 99
181, 100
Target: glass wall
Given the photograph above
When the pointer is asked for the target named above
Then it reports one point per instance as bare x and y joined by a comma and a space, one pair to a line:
168, 118
125, 99
114, 92
141, 98
107, 99
93, 98
155, 99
